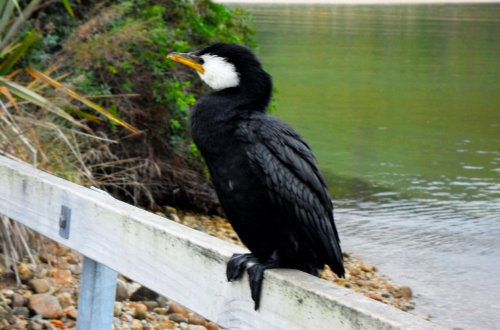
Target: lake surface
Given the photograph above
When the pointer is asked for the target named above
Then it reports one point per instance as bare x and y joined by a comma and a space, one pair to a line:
401, 105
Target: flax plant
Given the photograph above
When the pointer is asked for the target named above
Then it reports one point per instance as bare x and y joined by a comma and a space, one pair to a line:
39, 121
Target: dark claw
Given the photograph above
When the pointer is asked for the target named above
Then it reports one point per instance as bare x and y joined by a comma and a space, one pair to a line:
256, 275
237, 264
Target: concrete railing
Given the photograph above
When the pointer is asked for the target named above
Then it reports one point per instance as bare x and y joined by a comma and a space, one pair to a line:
178, 262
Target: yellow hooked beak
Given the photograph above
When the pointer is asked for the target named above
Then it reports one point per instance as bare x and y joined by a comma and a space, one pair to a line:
187, 59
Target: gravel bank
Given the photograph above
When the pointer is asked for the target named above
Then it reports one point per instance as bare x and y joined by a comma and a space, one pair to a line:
48, 294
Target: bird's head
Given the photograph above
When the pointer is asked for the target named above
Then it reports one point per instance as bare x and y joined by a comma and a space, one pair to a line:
224, 65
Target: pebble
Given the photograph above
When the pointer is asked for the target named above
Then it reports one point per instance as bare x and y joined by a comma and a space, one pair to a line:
40, 285
65, 299
117, 308
25, 272
143, 293
46, 305
140, 310
149, 311
62, 276
18, 300
151, 304
24, 311
197, 320
176, 317
195, 327
121, 291
72, 312
174, 307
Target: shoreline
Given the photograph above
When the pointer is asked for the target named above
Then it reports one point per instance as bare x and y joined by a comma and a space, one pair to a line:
354, 2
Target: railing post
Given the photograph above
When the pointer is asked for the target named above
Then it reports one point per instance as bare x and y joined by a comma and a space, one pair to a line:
97, 296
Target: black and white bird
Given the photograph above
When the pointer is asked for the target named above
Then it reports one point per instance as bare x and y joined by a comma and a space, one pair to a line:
264, 173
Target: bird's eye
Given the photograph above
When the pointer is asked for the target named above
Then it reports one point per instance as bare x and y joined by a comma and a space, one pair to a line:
201, 60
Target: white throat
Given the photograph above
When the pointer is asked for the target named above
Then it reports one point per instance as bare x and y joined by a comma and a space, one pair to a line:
219, 74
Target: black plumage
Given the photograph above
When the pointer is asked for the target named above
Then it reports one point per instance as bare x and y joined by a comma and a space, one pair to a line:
264, 173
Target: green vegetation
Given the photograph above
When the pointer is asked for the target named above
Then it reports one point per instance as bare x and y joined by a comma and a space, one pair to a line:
114, 54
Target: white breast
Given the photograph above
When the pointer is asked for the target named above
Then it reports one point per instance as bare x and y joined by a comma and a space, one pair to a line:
219, 74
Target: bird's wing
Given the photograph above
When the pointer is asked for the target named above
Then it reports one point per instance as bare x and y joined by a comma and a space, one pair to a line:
283, 161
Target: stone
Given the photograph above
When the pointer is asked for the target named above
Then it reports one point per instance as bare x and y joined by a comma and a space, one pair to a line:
174, 307
46, 305
18, 300
160, 311
71, 312
40, 285
375, 296
24, 311
176, 317
117, 308
196, 319
212, 326
140, 310
143, 294
57, 324
25, 272
151, 304
62, 276
121, 291
136, 325
403, 292
166, 324
196, 327
65, 299
367, 268
34, 326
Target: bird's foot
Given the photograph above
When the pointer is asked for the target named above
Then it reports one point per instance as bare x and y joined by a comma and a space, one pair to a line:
256, 275
237, 265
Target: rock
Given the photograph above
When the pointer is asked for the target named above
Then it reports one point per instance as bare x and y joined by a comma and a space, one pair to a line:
143, 294
212, 326
65, 299
160, 311
151, 304
367, 268
166, 324
375, 296
8, 293
196, 320
24, 311
71, 312
140, 310
195, 327
62, 276
403, 292
57, 324
40, 285
121, 291
18, 300
46, 305
34, 326
174, 307
117, 308
176, 317
24, 272
162, 301
136, 325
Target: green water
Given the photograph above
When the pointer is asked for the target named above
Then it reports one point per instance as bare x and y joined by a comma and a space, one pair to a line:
391, 95
401, 105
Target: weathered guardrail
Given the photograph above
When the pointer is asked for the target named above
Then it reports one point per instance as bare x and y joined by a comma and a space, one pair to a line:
178, 262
